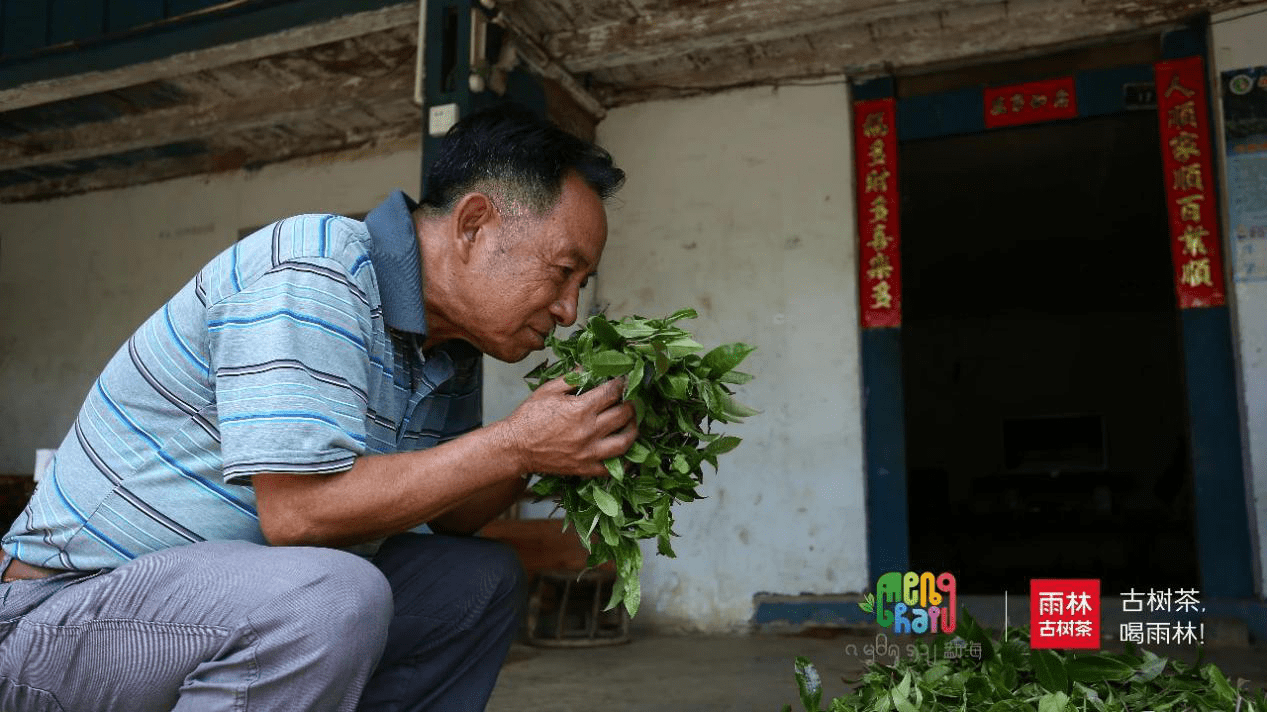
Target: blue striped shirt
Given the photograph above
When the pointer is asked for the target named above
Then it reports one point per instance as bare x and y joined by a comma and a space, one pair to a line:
296, 350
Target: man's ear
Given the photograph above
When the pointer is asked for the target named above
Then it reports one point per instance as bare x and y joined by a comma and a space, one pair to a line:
473, 212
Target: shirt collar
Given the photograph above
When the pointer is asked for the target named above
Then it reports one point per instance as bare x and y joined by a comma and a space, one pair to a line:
397, 263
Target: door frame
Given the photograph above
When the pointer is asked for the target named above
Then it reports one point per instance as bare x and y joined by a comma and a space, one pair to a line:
1222, 524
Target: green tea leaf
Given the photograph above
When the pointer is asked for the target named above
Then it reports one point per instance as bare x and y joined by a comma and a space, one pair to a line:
809, 684
679, 315
615, 468
638, 453
736, 409
633, 594
632, 328
1218, 682
635, 378
736, 377
682, 346
609, 363
1053, 702
605, 502
722, 359
722, 445
1049, 670
1097, 668
603, 331
607, 530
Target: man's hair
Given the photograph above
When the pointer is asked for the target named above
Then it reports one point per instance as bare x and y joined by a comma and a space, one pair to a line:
508, 150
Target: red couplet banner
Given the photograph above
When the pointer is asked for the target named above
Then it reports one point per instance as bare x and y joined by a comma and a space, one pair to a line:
1185, 149
879, 263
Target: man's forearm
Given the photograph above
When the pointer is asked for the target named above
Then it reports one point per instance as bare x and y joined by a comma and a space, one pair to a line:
385, 494
471, 515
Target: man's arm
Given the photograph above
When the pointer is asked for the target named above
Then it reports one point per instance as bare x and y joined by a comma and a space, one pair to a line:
479, 509
457, 485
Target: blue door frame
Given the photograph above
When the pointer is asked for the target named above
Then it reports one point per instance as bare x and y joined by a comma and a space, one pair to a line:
1223, 547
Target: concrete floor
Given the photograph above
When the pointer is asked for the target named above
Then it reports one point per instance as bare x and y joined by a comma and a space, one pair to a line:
719, 673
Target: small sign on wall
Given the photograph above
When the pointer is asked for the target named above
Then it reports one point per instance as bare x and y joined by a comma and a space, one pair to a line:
1245, 130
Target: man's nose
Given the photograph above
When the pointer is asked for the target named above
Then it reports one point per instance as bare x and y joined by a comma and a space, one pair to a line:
564, 310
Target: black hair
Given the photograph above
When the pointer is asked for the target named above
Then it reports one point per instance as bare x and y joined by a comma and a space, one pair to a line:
528, 156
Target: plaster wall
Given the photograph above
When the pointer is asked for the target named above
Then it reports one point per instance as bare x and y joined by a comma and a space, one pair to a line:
740, 205
1237, 43
79, 274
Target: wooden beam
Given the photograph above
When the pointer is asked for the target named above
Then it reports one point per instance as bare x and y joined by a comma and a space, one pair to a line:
540, 61
1027, 28
225, 155
734, 23
202, 121
93, 82
659, 35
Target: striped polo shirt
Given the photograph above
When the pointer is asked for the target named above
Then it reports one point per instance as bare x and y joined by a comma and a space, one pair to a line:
296, 350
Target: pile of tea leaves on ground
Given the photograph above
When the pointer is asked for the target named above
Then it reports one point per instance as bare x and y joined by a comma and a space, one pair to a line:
677, 394
1011, 677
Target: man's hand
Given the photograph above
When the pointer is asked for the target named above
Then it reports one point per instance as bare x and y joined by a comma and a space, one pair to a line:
555, 432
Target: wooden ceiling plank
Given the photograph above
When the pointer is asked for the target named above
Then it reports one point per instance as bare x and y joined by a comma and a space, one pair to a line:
658, 35
230, 153
537, 59
50, 90
1037, 29
198, 121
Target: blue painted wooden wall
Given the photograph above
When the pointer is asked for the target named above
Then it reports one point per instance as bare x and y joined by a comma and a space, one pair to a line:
33, 25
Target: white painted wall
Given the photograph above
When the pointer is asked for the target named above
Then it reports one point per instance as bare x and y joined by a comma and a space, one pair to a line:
79, 274
740, 205
1237, 43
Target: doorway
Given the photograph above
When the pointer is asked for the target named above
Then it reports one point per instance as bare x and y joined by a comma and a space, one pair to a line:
1046, 432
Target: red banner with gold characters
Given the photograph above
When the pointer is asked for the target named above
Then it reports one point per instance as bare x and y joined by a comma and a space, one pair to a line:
1030, 103
875, 157
1185, 148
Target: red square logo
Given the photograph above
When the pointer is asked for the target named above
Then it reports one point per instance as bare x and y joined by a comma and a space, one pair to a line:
1064, 613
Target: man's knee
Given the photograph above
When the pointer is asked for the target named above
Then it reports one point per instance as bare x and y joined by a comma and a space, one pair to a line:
335, 599
496, 571
501, 566
462, 579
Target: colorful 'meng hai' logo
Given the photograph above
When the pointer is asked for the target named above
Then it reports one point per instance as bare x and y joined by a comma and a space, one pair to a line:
911, 602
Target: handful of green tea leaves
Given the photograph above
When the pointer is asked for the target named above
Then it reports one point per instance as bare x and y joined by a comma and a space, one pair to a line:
677, 394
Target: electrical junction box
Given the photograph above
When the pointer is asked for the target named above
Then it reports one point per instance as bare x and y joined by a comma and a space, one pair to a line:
441, 118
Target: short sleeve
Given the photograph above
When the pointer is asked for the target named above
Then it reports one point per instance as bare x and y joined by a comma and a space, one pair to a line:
290, 357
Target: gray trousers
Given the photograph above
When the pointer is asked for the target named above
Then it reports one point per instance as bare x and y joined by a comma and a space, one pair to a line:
229, 625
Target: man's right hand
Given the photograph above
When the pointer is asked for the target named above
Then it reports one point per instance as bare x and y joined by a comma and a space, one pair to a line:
556, 432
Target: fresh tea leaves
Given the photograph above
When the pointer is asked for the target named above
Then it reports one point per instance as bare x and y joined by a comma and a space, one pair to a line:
677, 393
1012, 677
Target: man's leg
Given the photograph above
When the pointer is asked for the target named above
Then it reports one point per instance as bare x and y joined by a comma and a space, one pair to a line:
209, 626
458, 602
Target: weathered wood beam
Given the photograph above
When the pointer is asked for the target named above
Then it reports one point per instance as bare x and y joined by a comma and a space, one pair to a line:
202, 121
659, 35
348, 26
540, 61
223, 156
1019, 28
735, 23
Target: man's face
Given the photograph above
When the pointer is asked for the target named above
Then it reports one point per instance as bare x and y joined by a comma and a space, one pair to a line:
528, 276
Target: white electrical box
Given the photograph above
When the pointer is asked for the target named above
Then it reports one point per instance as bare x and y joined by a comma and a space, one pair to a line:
441, 118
